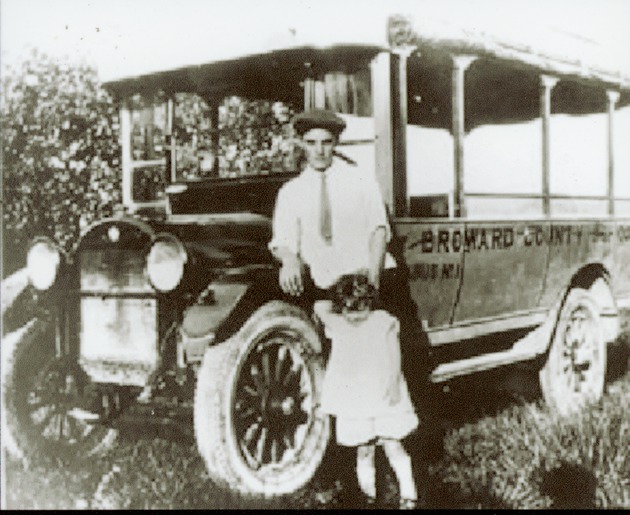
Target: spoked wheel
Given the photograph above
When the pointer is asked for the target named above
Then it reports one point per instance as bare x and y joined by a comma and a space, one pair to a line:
273, 399
257, 421
576, 365
40, 392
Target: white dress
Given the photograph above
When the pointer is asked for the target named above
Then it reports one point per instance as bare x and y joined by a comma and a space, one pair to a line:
364, 362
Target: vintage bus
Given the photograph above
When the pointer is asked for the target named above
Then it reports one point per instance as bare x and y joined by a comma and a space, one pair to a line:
506, 173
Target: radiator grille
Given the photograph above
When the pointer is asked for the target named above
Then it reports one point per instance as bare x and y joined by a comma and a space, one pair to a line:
119, 326
114, 271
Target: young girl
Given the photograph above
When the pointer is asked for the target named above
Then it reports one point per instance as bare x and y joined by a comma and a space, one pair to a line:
364, 386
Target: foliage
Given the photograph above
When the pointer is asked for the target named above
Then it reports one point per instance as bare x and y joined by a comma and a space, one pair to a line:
60, 150
255, 137
60, 147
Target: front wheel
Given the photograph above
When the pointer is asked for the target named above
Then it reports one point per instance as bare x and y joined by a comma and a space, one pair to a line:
575, 371
257, 420
39, 393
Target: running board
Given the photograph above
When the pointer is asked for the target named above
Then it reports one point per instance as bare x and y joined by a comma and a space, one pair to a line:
467, 366
531, 345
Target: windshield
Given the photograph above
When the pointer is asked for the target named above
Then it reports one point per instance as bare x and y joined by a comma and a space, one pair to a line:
235, 138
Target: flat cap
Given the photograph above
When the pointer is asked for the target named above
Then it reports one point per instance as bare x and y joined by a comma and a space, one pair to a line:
318, 119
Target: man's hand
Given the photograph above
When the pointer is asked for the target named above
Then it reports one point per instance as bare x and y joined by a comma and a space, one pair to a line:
291, 275
374, 277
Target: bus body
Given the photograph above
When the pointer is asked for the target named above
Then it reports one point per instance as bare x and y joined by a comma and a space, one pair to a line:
507, 181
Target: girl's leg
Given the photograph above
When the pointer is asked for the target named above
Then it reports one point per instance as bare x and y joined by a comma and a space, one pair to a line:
366, 470
400, 461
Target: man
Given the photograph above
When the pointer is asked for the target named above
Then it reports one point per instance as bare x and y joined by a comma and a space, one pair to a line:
331, 218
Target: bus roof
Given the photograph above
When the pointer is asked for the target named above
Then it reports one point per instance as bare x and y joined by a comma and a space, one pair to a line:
278, 59
547, 49
250, 75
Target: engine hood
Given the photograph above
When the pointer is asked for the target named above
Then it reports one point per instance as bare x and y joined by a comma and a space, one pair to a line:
235, 240
232, 240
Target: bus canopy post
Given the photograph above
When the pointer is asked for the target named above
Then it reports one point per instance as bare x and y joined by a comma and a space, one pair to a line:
389, 106
547, 83
125, 148
381, 71
171, 156
309, 88
314, 91
460, 65
214, 136
612, 97
401, 199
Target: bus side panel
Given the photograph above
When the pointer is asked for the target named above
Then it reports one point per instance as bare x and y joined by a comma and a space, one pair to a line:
572, 246
621, 267
504, 270
434, 263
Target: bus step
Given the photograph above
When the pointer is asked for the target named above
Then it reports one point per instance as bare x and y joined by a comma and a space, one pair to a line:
466, 366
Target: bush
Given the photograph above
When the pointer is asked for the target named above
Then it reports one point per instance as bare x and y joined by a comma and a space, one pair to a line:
60, 150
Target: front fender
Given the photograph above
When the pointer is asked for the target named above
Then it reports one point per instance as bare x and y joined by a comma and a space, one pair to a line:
230, 303
202, 323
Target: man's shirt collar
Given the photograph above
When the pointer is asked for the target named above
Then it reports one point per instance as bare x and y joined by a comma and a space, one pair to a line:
311, 172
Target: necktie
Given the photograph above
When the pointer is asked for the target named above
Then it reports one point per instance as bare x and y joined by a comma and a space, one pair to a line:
325, 221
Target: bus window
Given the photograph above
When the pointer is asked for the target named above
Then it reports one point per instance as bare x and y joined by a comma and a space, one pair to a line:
148, 123
250, 137
578, 151
503, 147
349, 94
192, 122
149, 183
148, 126
255, 137
430, 180
622, 161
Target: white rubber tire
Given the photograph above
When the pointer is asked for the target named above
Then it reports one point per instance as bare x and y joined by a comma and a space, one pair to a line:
223, 369
575, 371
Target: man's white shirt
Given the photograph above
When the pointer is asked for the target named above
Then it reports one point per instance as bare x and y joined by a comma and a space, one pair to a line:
357, 210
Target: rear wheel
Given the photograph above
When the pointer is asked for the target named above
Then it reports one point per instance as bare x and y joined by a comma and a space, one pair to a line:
257, 419
39, 392
575, 371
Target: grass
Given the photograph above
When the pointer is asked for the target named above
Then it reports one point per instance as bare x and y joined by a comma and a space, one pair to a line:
525, 457
485, 447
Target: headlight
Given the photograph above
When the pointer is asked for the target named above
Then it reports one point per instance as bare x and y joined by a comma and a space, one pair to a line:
165, 263
42, 263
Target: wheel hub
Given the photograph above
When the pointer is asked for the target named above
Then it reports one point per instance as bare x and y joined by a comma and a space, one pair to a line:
51, 400
274, 406
287, 406
579, 349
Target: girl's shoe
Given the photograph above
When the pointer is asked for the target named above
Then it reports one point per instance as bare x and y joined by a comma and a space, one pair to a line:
408, 504
369, 502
